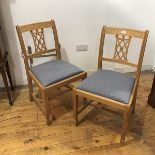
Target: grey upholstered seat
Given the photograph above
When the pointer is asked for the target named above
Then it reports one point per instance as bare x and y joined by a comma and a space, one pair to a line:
110, 84
54, 71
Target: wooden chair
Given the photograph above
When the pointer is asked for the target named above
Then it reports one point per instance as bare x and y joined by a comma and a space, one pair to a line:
117, 90
50, 75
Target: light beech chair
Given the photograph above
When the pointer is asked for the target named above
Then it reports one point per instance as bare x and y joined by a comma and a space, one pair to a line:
50, 75
117, 90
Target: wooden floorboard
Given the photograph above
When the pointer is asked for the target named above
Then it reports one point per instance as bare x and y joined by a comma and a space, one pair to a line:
23, 128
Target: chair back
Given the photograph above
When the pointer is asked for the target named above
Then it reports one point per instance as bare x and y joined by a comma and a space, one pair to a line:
37, 33
123, 38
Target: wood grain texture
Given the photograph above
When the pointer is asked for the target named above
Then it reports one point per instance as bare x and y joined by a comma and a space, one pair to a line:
23, 130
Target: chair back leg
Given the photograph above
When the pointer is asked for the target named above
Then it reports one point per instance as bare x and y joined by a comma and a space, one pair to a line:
134, 101
84, 101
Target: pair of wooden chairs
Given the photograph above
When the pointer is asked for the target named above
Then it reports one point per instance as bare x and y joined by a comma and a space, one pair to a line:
111, 88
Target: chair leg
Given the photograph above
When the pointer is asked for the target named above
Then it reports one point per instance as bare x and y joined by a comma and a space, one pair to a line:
75, 108
49, 117
125, 126
9, 74
134, 102
133, 108
6, 85
30, 85
84, 100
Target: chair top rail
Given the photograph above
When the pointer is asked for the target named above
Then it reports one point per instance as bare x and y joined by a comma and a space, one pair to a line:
129, 32
34, 26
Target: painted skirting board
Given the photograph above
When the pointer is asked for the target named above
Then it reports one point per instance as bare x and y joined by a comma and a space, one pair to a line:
23, 81
121, 69
125, 69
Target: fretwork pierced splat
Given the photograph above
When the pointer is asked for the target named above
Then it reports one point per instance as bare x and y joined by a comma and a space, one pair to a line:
38, 38
122, 46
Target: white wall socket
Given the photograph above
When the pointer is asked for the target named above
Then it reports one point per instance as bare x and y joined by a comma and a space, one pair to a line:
83, 47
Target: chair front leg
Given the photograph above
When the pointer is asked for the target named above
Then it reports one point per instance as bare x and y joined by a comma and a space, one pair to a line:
49, 117
84, 101
75, 107
125, 126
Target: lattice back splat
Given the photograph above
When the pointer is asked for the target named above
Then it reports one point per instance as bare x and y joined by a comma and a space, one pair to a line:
122, 46
38, 38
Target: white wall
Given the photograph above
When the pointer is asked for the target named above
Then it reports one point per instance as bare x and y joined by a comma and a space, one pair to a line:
78, 22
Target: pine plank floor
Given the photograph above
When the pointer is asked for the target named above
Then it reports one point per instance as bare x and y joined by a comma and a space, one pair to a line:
23, 130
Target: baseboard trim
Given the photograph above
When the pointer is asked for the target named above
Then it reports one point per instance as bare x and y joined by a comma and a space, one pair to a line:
125, 69
23, 82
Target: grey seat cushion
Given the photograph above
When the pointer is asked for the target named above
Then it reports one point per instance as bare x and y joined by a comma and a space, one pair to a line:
110, 84
54, 71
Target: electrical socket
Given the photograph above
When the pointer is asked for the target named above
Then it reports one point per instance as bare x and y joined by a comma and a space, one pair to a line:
83, 47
